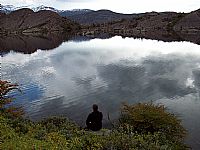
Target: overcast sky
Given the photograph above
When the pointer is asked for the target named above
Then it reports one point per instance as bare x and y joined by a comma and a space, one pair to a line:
123, 6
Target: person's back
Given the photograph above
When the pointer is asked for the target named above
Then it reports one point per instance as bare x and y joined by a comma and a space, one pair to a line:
94, 120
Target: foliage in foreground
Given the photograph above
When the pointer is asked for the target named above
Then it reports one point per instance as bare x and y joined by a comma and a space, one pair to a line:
61, 133
148, 117
5, 88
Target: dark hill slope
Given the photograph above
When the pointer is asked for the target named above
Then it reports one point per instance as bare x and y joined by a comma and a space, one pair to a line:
2, 15
99, 16
68, 13
25, 20
166, 26
189, 23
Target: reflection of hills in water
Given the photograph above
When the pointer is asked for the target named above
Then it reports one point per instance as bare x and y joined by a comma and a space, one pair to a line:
80, 38
167, 37
179, 37
28, 44
194, 38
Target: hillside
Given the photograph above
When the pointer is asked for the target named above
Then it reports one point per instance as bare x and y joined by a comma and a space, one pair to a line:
2, 15
165, 26
27, 21
74, 12
151, 24
64, 13
99, 16
83, 16
190, 23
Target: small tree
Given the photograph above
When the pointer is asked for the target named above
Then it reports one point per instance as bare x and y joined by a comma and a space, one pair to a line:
5, 99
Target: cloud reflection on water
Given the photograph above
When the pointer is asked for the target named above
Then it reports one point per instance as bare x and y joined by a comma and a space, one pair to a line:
108, 72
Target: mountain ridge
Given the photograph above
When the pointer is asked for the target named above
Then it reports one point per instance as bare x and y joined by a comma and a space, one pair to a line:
100, 16
9, 8
27, 21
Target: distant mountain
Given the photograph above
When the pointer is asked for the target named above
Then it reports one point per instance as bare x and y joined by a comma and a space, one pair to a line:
27, 21
74, 12
42, 7
100, 16
83, 16
9, 8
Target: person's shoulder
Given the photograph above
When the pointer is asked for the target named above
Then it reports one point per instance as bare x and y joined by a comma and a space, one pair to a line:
90, 113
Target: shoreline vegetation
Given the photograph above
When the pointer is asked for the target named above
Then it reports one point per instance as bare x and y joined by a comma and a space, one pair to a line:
140, 126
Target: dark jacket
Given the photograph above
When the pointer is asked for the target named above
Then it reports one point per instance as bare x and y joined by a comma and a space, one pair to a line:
94, 121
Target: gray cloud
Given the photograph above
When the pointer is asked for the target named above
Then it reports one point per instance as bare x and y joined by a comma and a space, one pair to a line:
118, 6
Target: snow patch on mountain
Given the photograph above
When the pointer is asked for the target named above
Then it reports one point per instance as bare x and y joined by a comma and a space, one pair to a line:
10, 8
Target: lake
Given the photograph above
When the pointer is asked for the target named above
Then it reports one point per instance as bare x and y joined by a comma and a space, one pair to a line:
74, 74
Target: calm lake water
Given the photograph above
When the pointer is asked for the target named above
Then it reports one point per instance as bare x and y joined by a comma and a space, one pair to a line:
68, 79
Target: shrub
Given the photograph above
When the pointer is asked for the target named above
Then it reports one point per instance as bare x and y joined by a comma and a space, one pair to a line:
155, 141
147, 117
5, 88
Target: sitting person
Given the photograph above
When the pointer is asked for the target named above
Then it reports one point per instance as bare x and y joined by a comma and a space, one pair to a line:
94, 119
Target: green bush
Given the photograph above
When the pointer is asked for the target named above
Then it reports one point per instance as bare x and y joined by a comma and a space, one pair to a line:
147, 117
156, 141
39, 137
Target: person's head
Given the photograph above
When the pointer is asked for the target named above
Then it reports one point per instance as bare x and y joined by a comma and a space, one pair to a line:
95, 107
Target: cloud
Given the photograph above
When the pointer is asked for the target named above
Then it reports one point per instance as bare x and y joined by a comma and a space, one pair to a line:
125, 6
77, 1
133, 6
28, 2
